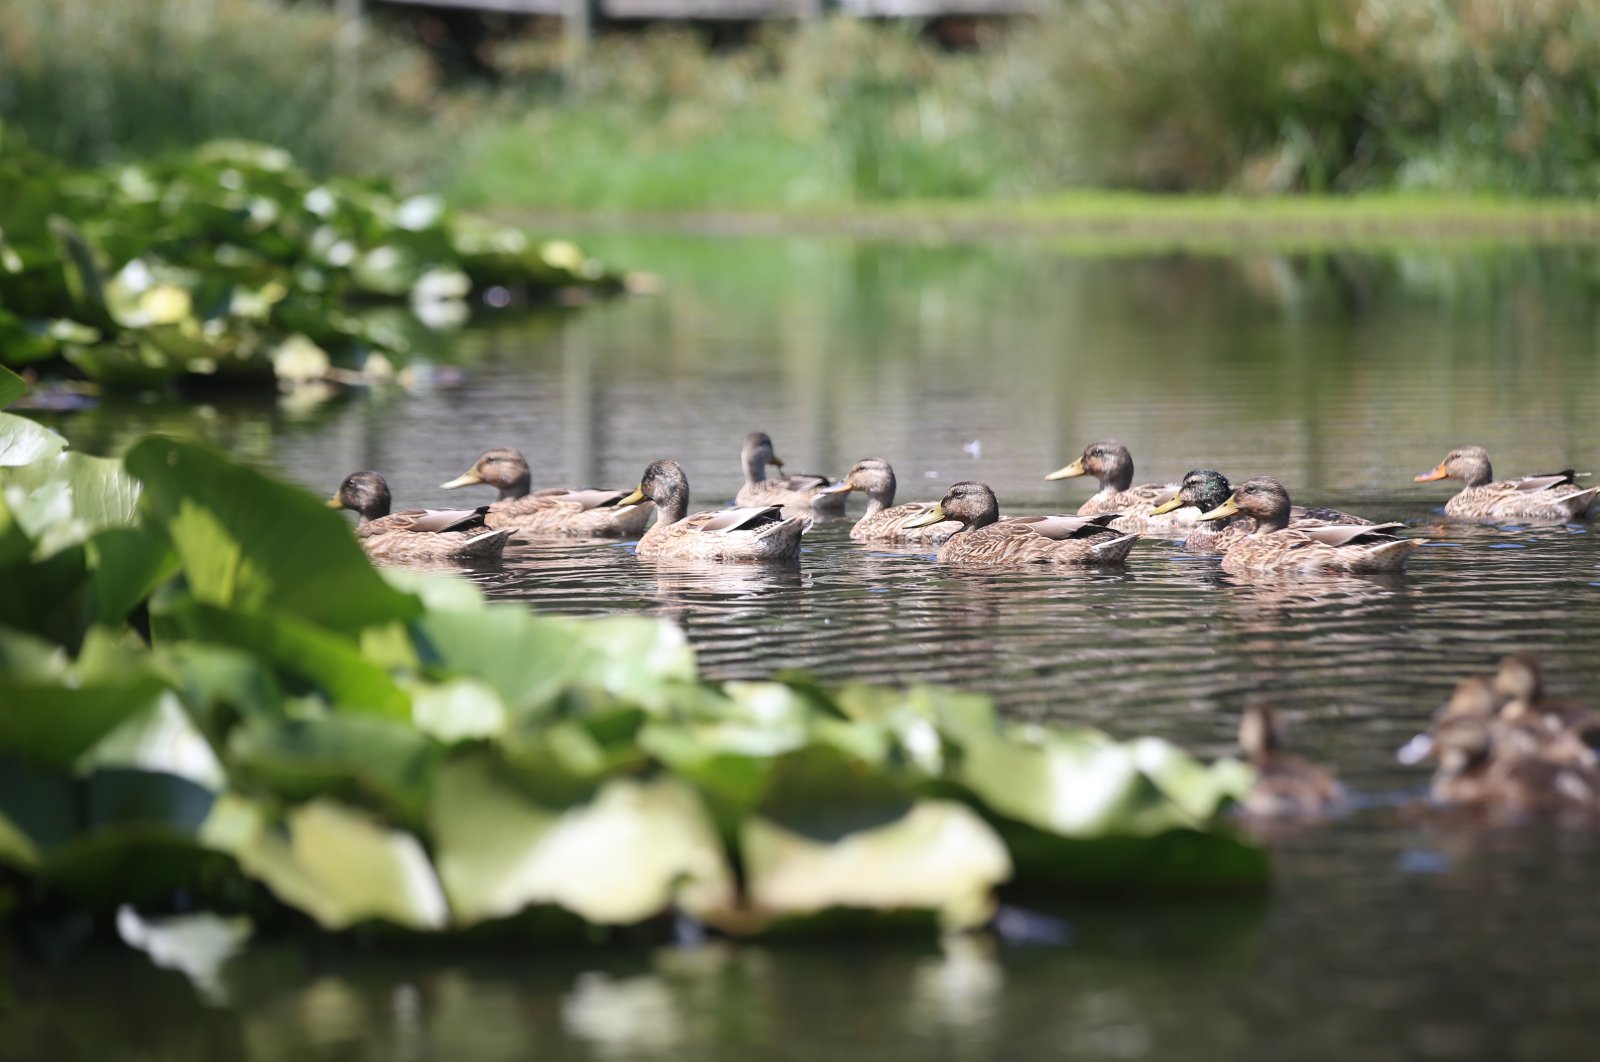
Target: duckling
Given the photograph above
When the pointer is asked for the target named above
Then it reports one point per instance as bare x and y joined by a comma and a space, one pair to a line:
1285, 784
884, 521
416, 534
1204, 489
1477, 770
758, 532
1553, 497
553, 510
799, 491
1519, 682
1274, 547
985, 539
1135, 508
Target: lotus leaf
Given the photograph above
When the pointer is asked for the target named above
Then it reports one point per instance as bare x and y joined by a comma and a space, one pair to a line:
338, 864
247, 540
940, 856
630, 854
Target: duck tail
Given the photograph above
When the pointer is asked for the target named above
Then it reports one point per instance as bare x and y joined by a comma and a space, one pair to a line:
1391, 556
1579, 504
1113, 550
488, 544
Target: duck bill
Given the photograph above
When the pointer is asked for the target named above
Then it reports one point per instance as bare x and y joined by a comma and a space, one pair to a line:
1429, 477
837, 488
1167, 506
932, 516
466, 479
633, 499
1223, 511
1071, 471
775, 461
334, 503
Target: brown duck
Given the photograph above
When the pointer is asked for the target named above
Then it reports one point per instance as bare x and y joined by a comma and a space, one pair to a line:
884, 521
986, 540
799, 491
759, 532
1204, 490
552, 510
1135, 508
416, 534
1274, 547
1286, 784
1555, 497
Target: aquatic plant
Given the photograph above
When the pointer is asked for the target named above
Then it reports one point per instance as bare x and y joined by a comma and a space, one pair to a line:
232, 261
207, 690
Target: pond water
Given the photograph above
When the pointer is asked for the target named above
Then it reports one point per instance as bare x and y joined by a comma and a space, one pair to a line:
1389, 932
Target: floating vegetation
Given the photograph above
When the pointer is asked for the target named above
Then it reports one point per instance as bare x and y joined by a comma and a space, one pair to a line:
206, 688
230, 261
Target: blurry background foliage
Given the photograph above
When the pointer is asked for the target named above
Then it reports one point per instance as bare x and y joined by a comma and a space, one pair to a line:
1478, 96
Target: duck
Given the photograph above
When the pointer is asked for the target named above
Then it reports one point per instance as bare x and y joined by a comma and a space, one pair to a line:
552, 510
983, 539
1134, 507
1554, 497
1285, 784
1502, 743
755, 532
1276, 548
416, 534
1204, 489
799, 491
884, 521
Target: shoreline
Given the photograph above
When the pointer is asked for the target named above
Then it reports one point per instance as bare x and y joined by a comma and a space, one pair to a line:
1111, 221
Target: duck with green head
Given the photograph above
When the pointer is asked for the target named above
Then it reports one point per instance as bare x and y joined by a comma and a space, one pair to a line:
985, 540
416, 534
553, 510
1275, 547
1205, 489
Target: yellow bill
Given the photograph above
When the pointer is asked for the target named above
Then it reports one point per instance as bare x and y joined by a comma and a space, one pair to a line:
1074, 469
466, 479
1429, 477
932, 516
1174, 502
633, 499
842, 487
334, 503
1223, 511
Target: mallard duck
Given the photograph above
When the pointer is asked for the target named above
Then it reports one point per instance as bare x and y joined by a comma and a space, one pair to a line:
1285, 784
1134, 507
553, 510
1204, 489
798, 491
1501, 742
1275, 547
1554, 497
884, 521
985, 539
758, 532
416, 534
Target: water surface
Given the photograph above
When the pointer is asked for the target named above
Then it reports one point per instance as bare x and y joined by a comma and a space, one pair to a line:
1389, 932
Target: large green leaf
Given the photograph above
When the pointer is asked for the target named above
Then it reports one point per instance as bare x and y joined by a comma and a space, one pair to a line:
248, 541
628, 855
528, 659
129, 563
53, 724
331, 662
12, 387
65, 498
22, 441
338, 864
940, 857
346, 756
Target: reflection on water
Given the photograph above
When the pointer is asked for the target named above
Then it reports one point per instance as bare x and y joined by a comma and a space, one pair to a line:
1388, 934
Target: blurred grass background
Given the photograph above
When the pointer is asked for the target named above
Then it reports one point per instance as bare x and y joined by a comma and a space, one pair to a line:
1249, 97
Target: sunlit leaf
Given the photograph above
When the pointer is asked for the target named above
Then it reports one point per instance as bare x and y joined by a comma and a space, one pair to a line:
941, 856
12, 387
250, 541
347, 756
629, 855
22, 441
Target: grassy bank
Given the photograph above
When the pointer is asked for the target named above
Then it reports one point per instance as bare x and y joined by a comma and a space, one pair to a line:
1111, 221
1252, 98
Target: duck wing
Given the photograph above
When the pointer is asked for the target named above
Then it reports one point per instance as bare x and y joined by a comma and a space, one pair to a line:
428, 521
583, 499
804, 481
1351, 534
746, 518
1059, 528
1534, 484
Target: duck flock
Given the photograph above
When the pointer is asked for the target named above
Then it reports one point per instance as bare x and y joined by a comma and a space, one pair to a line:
1500, 742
